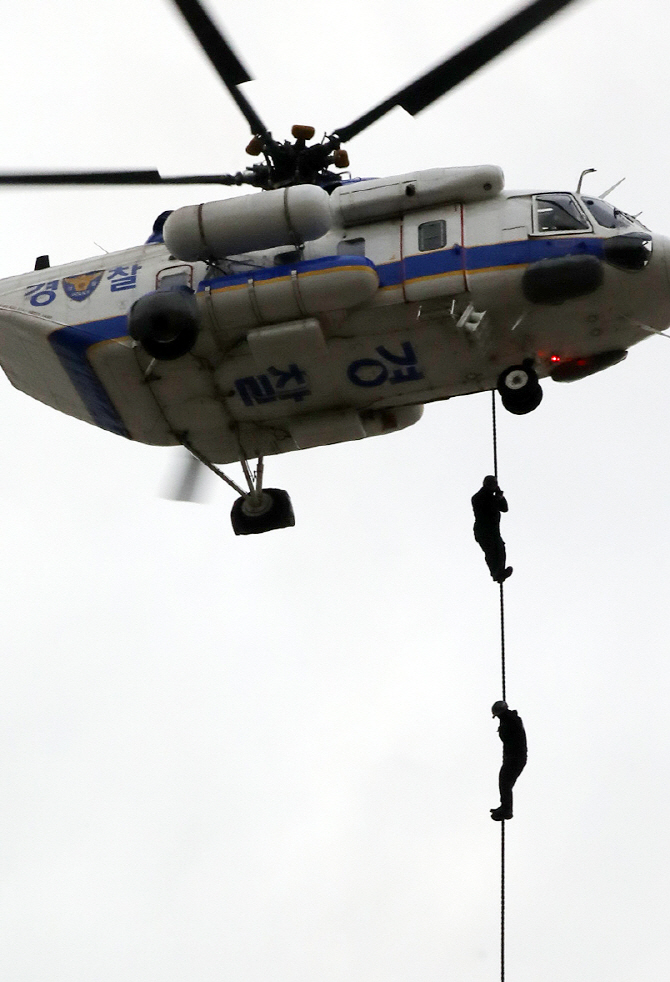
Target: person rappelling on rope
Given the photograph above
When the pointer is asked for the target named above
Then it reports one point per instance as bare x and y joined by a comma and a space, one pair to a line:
487, 504
515, 755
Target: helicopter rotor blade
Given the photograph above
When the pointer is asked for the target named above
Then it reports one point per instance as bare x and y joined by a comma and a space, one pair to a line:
455, 69
185, 484
222, 57
121, 177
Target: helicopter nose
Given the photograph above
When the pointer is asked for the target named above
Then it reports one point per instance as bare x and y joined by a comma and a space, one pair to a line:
657, 299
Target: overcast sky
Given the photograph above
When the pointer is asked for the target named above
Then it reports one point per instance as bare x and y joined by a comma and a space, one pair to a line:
272, 758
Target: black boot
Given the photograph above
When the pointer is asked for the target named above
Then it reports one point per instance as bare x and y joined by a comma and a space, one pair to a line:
498, 815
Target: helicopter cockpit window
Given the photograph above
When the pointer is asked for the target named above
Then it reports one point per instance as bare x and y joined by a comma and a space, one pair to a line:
351, 247
432, 235
606, 214
559, 213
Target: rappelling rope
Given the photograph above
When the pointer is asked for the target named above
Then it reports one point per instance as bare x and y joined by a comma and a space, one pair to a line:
504, 696
502, 901
495, 433
502, 592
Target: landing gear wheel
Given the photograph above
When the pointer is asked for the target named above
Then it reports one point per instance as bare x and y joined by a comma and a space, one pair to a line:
165, 323
273, 511
172, 347
519, 388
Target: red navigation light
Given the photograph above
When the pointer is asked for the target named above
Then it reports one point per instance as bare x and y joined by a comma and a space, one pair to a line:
555, 359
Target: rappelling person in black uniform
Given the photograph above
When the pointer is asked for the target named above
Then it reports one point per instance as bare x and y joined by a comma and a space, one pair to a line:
515, 754
487, 505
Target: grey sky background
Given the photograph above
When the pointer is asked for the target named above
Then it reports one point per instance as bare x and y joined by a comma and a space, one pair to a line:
273, 758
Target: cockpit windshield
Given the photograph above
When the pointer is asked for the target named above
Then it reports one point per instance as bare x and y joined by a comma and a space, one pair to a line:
607, 215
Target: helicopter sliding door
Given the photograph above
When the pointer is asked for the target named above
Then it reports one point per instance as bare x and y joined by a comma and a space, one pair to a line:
432, 253
495, 236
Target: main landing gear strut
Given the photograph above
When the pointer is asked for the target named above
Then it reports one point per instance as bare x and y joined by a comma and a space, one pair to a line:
257, 510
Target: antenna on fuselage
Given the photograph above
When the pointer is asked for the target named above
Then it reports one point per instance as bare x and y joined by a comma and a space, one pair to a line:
589, 170
613, 188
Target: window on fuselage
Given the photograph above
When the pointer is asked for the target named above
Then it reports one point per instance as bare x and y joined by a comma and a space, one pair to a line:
174, 278
559, 213
432, 235
351, 247
607, 215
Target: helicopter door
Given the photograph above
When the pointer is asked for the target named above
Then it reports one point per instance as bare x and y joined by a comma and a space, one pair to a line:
495, 234
516, 219
432, 253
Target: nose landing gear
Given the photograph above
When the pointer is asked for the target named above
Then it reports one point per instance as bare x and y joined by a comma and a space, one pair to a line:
519, 388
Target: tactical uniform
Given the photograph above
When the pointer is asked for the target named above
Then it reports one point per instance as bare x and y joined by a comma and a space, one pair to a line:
515, 755
487, 504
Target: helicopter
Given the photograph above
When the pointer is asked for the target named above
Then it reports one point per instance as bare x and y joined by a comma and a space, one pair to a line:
321, 308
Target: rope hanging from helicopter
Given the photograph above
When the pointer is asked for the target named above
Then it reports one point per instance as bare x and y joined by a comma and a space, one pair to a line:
504, 697
502, 593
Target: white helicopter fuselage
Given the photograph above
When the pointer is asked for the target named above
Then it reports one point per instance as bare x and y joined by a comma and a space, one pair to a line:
420, 289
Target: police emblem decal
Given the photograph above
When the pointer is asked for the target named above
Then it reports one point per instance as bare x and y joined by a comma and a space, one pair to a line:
81, 286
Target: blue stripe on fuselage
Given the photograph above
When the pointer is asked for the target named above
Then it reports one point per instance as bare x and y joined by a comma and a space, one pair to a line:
280, 272
526, 251
70, 345
498, 255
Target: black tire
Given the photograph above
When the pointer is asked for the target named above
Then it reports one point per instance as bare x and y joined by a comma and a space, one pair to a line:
276, 512
165, 323
520, 407
170, 350
519, 388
